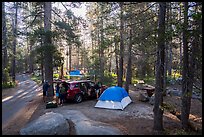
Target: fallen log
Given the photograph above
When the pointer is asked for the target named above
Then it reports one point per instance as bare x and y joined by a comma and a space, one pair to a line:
194, 126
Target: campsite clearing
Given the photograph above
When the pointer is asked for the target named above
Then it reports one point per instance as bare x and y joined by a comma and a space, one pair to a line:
135, 119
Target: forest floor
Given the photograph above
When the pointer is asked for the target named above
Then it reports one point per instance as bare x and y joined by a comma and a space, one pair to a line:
135, 119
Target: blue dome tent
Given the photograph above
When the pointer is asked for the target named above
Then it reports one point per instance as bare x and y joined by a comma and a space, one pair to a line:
74, 73
114, 98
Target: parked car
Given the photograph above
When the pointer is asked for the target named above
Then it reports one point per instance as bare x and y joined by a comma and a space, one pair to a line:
80, 90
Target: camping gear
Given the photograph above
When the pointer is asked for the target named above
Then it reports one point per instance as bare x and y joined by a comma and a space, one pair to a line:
51, 105
114, 97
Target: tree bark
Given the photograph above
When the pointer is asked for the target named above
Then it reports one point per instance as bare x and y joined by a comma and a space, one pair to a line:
180, 44
4, 37
67, 60
116, 59
48, 43
61, 76
158, 110
109, 66
41, 44
129, 64
120, 73
186, 85
102, 46
70, 57
31, 57
14, 43
4, 43
170, 54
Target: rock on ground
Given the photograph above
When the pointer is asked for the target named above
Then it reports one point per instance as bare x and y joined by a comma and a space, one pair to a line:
86, 126
143, 97
47, 124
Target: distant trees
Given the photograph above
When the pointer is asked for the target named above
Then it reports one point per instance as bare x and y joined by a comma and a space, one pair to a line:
191, 38
123, 39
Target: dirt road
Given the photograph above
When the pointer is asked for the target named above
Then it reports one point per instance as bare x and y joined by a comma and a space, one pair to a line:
15, 100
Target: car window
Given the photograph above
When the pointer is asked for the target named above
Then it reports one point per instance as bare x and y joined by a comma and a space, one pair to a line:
72, 86
77, 85
91, 84
87, 85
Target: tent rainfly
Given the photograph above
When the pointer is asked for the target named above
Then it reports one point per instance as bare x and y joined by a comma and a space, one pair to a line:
114, 97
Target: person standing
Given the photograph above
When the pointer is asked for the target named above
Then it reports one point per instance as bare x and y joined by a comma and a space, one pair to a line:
45, 90
62, 92
57, 88
97, 87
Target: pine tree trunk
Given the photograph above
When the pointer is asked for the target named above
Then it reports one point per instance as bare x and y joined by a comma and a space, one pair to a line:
61, 76
48, 43
99, 53
120, 73
129, 64
31, 57
109, 66
116, 59
41, 44
158, 111
4, 37
170, 53
4, 43
70, 57
14, 43
78, 50
102, 49
186, 85
180, 43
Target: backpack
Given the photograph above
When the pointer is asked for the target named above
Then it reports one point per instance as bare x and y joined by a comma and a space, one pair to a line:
62, 90
51, 105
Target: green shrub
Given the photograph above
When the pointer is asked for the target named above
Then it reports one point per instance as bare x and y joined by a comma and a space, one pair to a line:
114, 75
5, 75
55, 75
66, 76
36, 79
149, 80
175, 74
9, 84
109, 79
134, 81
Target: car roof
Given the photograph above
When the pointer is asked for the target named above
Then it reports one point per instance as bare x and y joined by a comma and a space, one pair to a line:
79, 81
71, 82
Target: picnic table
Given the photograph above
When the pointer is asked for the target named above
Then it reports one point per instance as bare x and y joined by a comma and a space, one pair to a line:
149, 89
